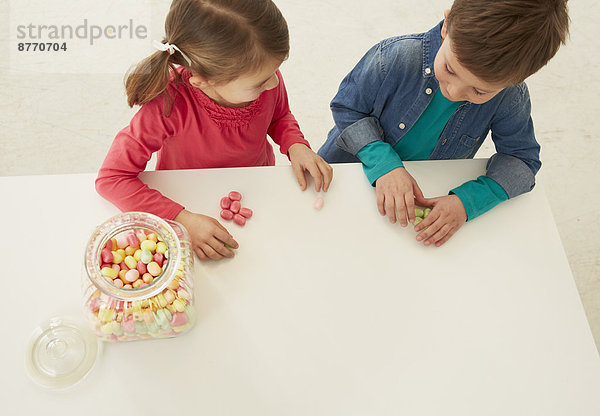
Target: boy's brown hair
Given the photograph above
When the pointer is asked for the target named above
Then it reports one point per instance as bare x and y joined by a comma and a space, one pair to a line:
505, 41
224, 39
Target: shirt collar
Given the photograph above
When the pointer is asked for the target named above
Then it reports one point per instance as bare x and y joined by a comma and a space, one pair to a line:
431, 44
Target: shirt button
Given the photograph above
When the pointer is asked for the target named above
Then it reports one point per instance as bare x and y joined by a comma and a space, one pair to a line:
428, 70
444, 141
428, 91
402, 125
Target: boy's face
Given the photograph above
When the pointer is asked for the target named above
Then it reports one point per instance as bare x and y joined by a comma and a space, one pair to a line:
456, 82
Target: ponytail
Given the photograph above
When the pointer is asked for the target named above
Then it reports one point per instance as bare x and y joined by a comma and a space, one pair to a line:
149, 79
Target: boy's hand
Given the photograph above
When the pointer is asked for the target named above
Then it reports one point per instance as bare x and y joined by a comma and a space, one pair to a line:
208, 236
303, 158
446, 217
397, 192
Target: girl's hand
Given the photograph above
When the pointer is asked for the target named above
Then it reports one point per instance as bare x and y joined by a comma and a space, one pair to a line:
397, 192
446, 217
303, 158
208, 236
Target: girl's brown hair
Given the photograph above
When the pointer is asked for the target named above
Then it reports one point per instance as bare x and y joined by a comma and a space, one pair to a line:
505, 41
224, 39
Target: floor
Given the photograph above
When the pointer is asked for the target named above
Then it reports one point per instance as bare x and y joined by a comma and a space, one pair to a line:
62, 119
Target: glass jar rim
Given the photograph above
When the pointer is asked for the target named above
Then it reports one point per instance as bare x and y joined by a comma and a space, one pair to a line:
120, 223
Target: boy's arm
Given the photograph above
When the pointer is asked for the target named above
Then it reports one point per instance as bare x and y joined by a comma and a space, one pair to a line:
517, 160
511, 171
284, 129
129, 153
353, 105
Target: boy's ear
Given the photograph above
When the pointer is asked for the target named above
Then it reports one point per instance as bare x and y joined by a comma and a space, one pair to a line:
445, 24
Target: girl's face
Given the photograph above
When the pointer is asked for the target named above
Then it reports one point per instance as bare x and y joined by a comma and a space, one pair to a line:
456, 82
243, 90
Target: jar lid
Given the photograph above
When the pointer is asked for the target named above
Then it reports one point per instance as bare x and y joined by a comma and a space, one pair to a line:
60, 353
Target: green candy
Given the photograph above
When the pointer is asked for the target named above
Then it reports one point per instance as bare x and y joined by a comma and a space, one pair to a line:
418, 220
426, 212
229, 247
418, 212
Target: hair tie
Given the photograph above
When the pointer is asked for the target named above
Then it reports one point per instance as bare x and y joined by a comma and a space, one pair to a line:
171, 48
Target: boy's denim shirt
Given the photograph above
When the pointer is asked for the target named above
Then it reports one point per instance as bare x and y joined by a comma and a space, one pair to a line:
390, 87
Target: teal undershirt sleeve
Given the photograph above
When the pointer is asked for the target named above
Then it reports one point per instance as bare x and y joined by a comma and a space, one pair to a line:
379, 157
480, 195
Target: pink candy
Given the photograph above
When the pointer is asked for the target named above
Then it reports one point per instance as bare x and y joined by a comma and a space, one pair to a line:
232, 208
235, 196
245, 212
179, 319
225, 202
107, 256
235, 207
132, 275
141, 267
226, 214
132, 240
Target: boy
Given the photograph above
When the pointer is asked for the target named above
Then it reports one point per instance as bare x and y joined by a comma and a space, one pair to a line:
436, 95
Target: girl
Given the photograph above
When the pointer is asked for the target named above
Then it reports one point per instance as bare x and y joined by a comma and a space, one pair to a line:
209, 96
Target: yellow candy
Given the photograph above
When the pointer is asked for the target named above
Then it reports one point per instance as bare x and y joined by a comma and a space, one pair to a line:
118, 257
110, 272
147, 278
153, 268
148, 245
179, 305
162, 302
179, 273
137, 255
130, 262
107, 328
173, 284
137, 283
161, 247
169, 295
152, 237
130, 250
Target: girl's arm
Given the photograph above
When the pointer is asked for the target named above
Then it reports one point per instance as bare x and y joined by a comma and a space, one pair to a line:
129, 153
284, 131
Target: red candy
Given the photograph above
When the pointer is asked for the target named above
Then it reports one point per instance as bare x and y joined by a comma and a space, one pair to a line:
232, 208
132, 239
235, 207
225, 202
141, 267
226, 214
235, 196
107, 256
239, 220
245, 212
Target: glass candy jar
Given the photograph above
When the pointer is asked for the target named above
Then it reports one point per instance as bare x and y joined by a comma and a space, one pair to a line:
138, 282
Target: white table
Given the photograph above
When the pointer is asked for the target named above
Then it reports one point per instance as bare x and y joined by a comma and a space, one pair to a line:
331, 312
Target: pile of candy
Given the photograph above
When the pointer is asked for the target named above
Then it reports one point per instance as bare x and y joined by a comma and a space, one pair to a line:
133, 259
165, 315
231, 208
421, 214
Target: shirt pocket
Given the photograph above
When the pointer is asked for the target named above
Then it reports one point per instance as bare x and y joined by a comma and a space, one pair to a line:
467, 147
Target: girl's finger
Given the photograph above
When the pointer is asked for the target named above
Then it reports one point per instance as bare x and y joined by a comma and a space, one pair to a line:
210, 252
327, 172
299, 172
220, 248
